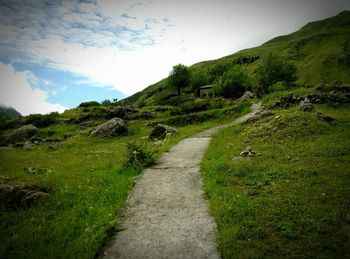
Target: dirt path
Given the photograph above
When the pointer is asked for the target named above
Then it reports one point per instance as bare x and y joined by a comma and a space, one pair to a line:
166, 215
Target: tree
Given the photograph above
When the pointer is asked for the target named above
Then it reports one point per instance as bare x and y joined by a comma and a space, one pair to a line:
276, 69
233, 83
179, 77
199, 77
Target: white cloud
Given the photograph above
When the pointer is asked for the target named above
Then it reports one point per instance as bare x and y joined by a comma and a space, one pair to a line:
16, 91
129, 45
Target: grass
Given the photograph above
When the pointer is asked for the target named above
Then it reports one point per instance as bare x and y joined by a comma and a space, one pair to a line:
89, 179
292, 199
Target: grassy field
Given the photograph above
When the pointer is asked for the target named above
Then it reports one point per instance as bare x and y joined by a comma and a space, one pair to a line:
293, 198
89, 180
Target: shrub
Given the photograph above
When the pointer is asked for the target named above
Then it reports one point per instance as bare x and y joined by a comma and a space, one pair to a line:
139, 154
233, 83
191, 106
89, 104
199, 77
42, 120
275, 69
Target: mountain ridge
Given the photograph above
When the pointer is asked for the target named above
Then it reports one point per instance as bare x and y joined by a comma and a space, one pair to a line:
320, 50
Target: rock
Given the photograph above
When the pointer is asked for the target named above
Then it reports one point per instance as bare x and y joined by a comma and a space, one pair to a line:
306, 105
32, 170
323, 117
287, 101
118, 112
28, 145
84, 117
22, 134
160, 131
247, 153
111, 128
16, 196
247, 95
52, 146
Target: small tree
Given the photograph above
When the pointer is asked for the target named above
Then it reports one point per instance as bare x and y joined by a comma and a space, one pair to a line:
233, 83
199, 77
179, 77
275, 69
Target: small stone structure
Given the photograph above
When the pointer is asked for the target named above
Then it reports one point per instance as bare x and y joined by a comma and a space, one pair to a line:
206, 91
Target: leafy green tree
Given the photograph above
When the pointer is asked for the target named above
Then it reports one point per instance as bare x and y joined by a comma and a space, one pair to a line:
276, 69
233, 83
199, 77
179, 77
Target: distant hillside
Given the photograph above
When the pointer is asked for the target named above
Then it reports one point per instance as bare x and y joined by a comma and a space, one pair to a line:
8, 113
320, 50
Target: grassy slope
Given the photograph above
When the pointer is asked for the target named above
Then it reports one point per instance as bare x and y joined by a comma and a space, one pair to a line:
292, 200
90, 182
313, 49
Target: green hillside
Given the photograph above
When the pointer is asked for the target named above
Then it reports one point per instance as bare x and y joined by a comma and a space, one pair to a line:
320, 51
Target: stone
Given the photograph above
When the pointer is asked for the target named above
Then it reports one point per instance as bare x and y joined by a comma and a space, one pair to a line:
118, 112
160, 131
52, 146
28, 145
247, 95
306, 105
22, 134
247, 153
111, 128
87, 124
323, 117
15, 196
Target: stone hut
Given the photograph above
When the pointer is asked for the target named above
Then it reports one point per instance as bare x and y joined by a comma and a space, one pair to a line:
206, 91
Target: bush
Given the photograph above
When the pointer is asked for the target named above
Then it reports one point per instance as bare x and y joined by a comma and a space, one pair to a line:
233, 83
42, 120
89, 104
139, 154
191, 106
275, 69
199, 77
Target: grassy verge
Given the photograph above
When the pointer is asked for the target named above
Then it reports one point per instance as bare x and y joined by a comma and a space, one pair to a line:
293, 198
90, 180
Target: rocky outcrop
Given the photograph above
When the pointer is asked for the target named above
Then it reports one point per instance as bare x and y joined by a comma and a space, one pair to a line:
112, 128
306, 105
118, 112
247, 96
160, 131
22, 134
14, 196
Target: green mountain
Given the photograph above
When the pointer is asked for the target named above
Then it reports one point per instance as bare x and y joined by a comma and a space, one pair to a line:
320, 50
8, 113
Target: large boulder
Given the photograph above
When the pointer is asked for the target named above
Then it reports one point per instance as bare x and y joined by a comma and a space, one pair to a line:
160, 131
22, 134
111, 128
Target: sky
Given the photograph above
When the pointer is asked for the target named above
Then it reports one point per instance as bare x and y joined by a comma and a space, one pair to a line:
55, 54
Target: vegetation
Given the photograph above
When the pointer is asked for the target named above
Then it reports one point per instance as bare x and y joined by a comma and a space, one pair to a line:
275, 69
89, 104
88, 181
42, 120
319, 51
292, 198
233, 83
179, 77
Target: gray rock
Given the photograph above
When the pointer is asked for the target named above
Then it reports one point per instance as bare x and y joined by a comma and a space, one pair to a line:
160, 131
248, 152
247, 95
52, 146
119, 112
306, 105
22, 134
28, 145
323, 117
111, 128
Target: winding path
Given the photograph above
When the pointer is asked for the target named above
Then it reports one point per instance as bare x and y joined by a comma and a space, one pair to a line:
166, 215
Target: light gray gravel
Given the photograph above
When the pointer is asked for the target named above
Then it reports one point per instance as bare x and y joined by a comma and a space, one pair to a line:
166, 215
